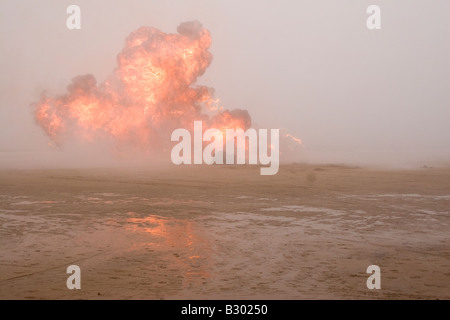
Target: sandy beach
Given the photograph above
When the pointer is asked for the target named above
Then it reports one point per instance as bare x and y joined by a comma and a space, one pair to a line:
225, 232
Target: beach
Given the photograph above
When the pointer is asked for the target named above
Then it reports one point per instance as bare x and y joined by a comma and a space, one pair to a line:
225, 232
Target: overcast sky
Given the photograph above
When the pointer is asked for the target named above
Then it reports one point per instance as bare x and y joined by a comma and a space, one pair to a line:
312, 67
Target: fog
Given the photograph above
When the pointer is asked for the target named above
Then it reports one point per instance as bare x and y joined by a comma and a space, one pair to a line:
313, 68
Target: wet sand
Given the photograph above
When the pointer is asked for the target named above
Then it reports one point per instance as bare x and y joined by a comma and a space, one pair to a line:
225, 232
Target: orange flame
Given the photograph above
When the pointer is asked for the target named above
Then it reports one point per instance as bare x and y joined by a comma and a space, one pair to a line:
151, 92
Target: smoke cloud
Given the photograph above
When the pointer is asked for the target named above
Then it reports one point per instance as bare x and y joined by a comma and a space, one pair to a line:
152, 92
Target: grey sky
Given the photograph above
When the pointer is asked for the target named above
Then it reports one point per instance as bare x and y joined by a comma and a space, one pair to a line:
351, 94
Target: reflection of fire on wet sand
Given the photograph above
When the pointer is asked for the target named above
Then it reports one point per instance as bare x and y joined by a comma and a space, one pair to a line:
210, 232
168, 234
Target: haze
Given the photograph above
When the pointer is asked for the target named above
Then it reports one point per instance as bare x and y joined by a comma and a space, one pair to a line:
312, 67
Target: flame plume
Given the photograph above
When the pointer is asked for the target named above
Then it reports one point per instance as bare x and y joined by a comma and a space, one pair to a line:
151, 92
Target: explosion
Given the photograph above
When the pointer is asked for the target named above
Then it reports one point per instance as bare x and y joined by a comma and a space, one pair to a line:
151, 92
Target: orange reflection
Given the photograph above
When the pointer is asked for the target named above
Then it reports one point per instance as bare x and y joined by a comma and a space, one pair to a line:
181, 241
